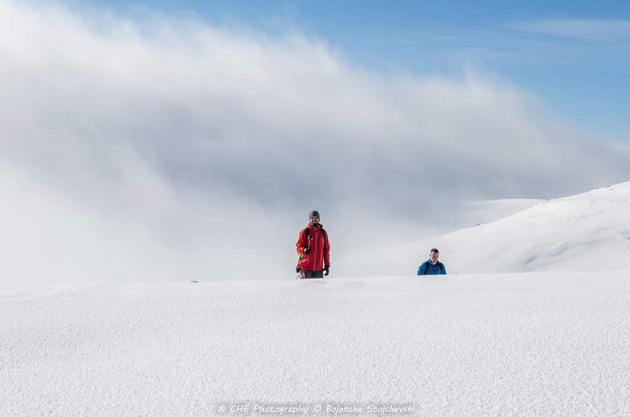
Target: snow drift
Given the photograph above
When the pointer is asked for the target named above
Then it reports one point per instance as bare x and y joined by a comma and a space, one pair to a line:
585, 232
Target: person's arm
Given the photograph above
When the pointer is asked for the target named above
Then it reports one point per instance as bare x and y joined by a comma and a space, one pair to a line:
301, 243
443, 269
420, 268
326, 251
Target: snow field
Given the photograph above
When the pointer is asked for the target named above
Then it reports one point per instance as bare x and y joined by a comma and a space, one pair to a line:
487, 344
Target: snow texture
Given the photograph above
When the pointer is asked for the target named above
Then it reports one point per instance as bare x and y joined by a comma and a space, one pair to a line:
585, 232
456, 345
552, 342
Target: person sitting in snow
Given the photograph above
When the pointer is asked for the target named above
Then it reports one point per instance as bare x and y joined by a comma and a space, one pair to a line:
313, 249
432, 266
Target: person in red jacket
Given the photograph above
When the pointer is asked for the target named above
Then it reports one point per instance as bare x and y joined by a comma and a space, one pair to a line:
313, 249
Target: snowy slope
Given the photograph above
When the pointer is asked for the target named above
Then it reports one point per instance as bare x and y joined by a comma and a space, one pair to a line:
477, 212
461, 345
585, 232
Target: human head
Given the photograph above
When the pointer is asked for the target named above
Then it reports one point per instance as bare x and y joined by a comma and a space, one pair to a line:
313, 217
434, 255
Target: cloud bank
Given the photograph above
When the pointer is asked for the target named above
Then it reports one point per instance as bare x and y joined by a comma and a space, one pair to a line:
168, 149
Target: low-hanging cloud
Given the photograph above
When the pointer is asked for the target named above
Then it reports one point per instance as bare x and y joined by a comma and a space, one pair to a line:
170, 149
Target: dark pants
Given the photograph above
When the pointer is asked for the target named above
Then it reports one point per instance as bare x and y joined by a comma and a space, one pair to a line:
306, 274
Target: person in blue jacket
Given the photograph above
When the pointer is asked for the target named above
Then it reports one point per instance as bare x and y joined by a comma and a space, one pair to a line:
432, 266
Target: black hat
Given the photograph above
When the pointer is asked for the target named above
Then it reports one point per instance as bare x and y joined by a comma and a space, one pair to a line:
313, 213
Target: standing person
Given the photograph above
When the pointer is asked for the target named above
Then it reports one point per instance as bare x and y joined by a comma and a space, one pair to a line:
313, 249
432, 266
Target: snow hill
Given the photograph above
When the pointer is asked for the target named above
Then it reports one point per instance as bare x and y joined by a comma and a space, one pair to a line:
458, 345
585, 232
553, 342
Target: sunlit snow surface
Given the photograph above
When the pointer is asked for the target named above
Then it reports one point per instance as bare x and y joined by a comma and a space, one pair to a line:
584, 232
489, 344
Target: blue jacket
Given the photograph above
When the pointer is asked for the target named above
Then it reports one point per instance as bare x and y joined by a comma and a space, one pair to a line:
437, 269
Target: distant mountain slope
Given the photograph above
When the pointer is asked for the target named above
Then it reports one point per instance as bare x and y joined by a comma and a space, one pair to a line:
491, 210
584, 232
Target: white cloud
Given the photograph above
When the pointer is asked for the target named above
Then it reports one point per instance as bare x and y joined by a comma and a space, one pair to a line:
203, 148
591, 29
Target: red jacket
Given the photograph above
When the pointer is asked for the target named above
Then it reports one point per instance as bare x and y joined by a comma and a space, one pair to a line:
316, 240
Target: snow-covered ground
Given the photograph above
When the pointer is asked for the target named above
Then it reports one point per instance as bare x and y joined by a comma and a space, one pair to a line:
585, 232
458, 345
499, 342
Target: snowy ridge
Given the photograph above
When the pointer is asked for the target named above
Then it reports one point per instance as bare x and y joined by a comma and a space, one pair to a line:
585, 232
493, 344
552, 342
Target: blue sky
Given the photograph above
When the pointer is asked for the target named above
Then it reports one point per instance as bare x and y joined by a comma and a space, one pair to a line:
574, 55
